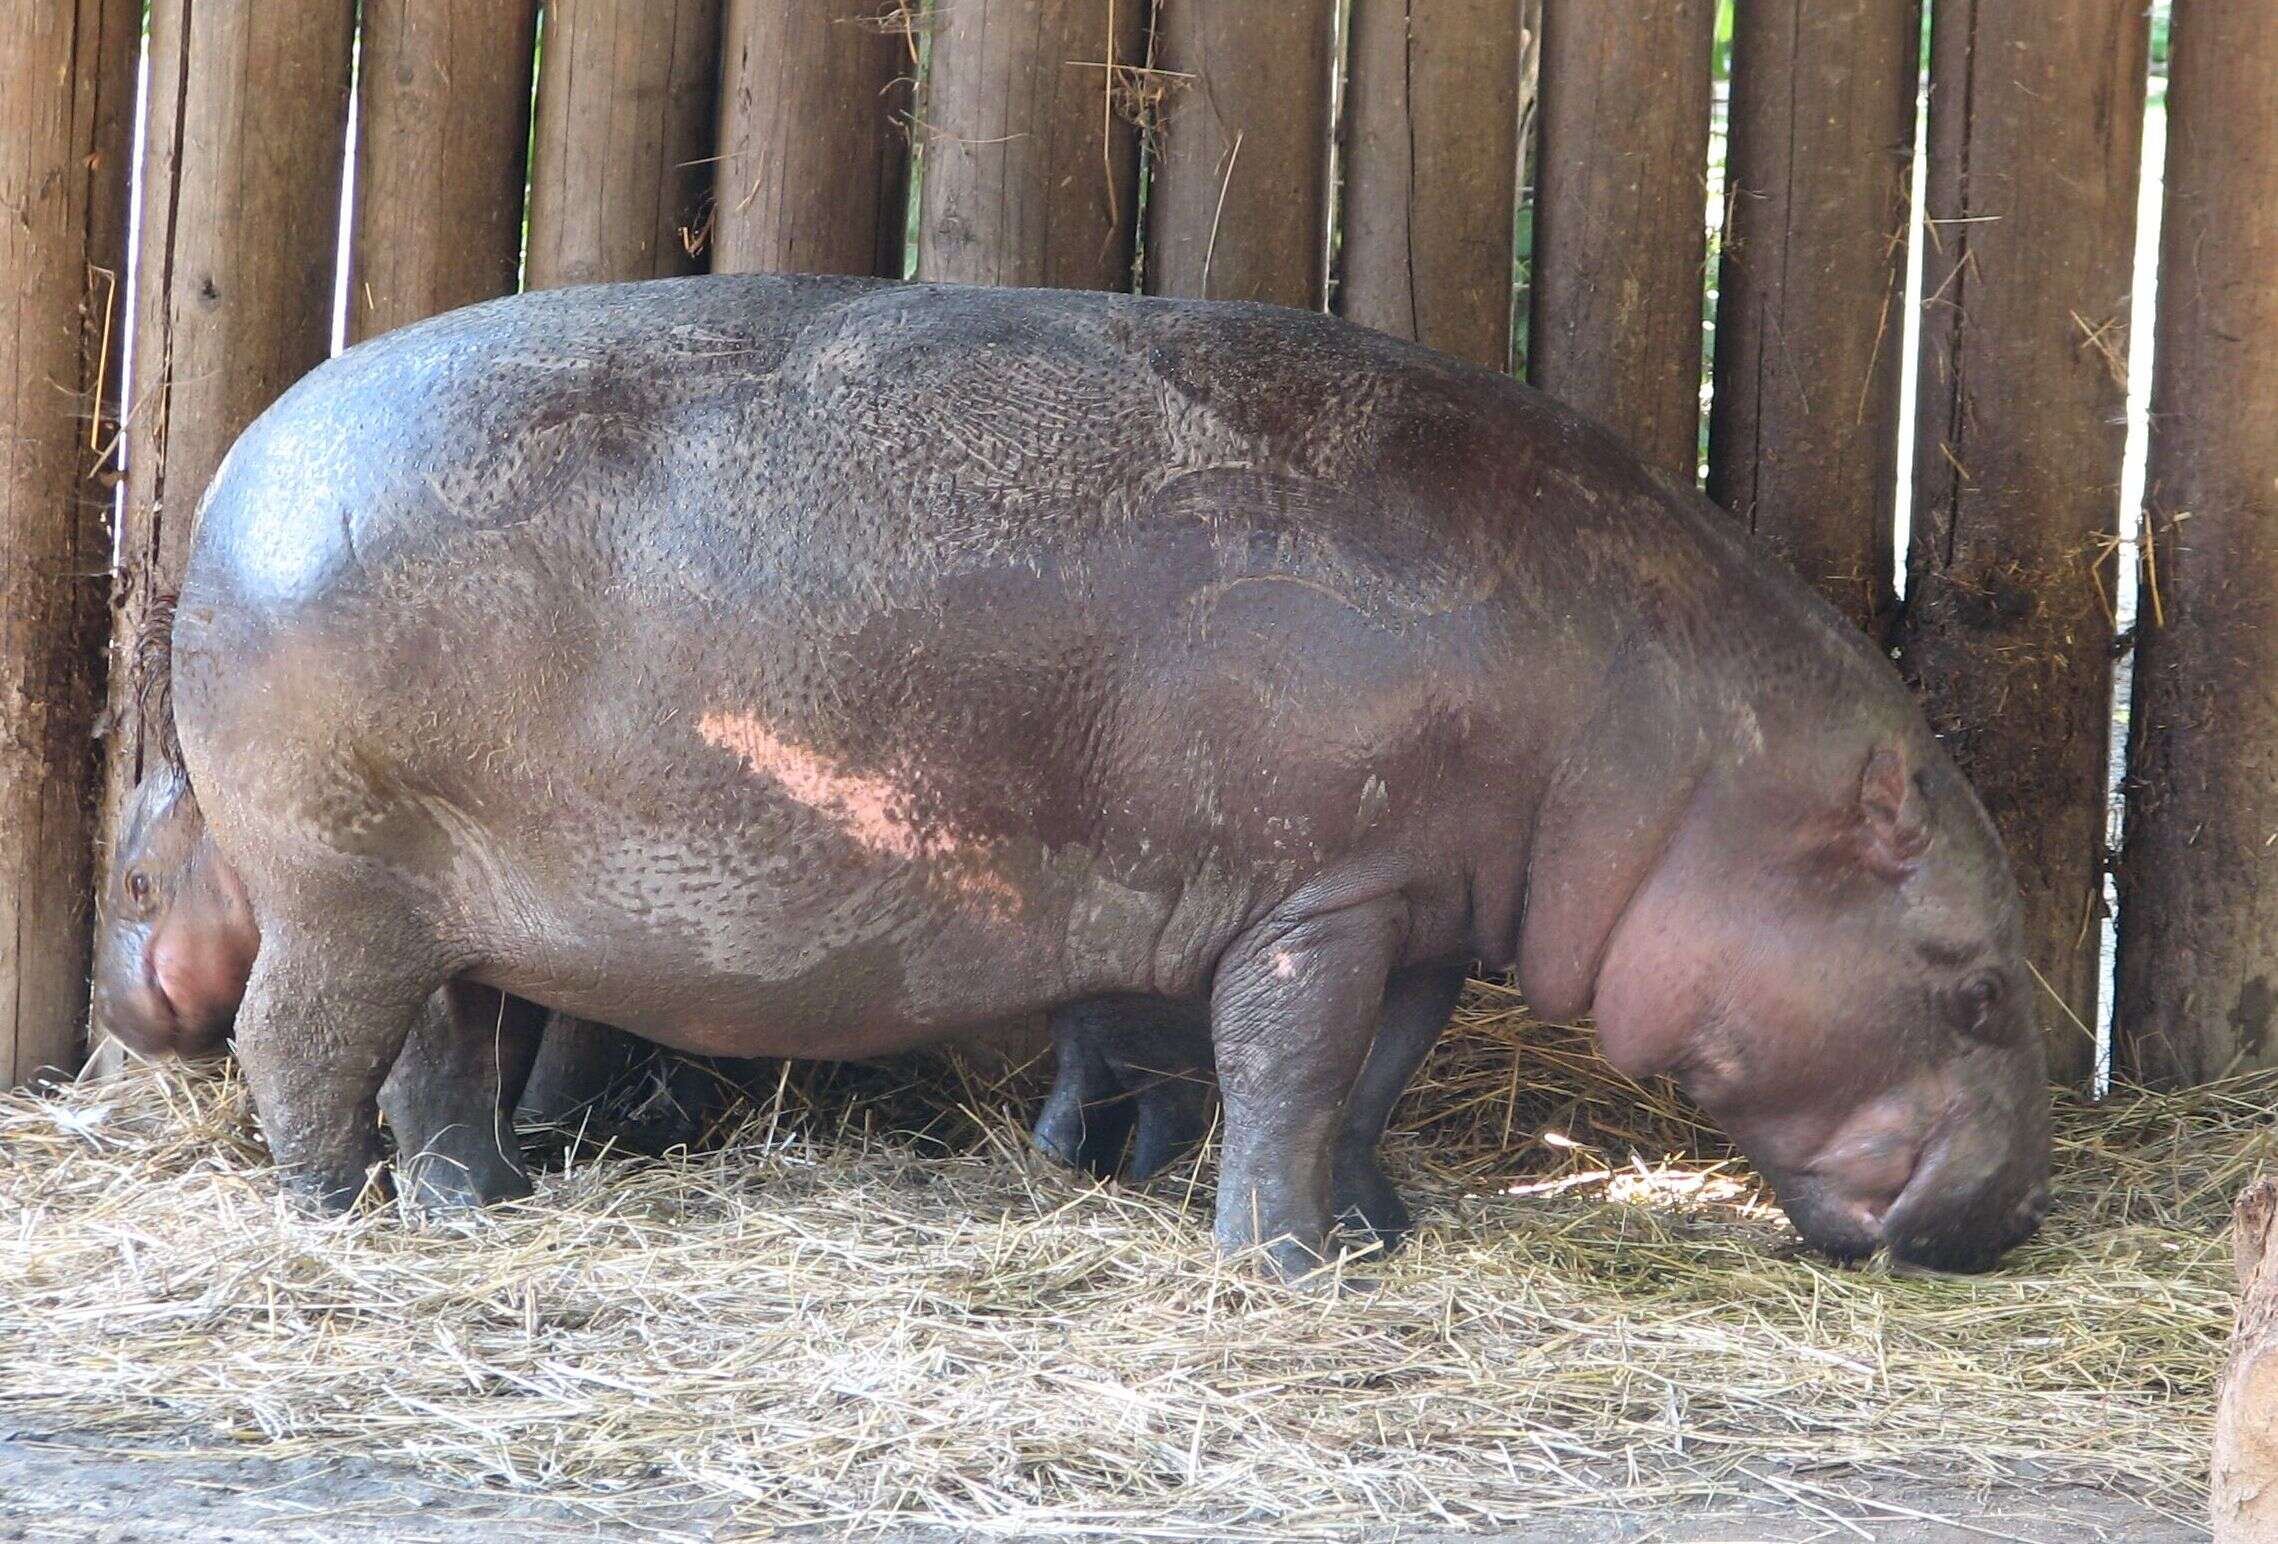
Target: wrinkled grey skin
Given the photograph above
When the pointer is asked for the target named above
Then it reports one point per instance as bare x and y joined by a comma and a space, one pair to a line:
808, 667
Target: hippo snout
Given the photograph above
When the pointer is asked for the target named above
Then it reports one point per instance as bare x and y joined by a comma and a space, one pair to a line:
1967, 1228
1981, 1187
1951, 1193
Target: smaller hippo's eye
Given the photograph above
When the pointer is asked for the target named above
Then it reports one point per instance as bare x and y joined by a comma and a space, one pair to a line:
1979, 996
138, 888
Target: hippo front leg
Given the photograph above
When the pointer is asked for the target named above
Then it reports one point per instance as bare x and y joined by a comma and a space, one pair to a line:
450, 1100
316, 1036
1417, 1006
1293, 1012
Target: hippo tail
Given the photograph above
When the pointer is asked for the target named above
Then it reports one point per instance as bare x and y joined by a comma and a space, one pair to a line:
151, 681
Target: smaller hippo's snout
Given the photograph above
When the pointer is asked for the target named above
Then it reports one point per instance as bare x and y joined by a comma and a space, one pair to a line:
1946, 1223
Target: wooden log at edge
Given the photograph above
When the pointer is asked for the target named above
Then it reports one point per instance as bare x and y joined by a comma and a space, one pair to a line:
1237, 205
1031, 167
1811, 290
235, 262
444, 123
620, 163
66, 121
2036, 119
2199, 885
1621, 214
1432, 174
814, 150
2243, 1489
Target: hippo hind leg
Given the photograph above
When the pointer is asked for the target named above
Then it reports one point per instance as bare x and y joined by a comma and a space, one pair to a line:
322, 1023
450, 1100
1129, 1071
1086, 1120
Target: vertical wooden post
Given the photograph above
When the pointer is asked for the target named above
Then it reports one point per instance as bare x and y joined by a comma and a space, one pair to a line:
66, 115
444, 109
2198, 984
1031, 165
2036, 118
621, 159
1803, 429
1621, 215
1432, 172
242, 156
813, 172
1238, 204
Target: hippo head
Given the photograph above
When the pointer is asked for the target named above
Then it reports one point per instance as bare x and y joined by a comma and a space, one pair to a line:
177, 938
1836, 975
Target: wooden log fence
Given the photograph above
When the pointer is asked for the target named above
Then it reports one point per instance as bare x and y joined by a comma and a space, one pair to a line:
1238, 201
443, 103
1031, 139
1435, 91
64, 157
242, 162
814, 147
1811, 288
1620, 229
1031, 169
2198, 971
621, 158
2036, 117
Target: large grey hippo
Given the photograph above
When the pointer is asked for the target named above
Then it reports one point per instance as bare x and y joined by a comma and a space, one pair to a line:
815, 667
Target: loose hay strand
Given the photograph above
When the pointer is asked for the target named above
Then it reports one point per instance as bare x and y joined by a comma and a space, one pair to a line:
867, 1302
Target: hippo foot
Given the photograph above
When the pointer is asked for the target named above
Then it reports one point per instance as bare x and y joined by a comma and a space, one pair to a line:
460, 1168
1368, 1204
334, 1190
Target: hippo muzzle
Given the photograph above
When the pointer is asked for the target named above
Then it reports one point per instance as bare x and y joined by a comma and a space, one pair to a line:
1953, 1195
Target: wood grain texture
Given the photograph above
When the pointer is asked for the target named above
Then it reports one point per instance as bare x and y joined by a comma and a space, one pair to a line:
1031, 165
1432, 114
2198, 984
620, 161
1811, 288
1621, 215
66, 115
813, 174
1238, 200
2244, 1490
2036, 118
443, 129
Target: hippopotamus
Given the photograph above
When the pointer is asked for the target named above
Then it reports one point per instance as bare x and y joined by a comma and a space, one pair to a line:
823, 667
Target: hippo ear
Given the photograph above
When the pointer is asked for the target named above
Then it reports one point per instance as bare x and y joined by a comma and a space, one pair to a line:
1894, 824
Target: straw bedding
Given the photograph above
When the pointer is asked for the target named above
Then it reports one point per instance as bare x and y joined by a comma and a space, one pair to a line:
866, 1300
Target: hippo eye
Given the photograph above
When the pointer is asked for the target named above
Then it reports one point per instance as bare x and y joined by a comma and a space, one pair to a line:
138, 888
1979, 996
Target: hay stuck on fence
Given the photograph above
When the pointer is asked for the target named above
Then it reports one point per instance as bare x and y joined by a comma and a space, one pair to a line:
827, 1320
